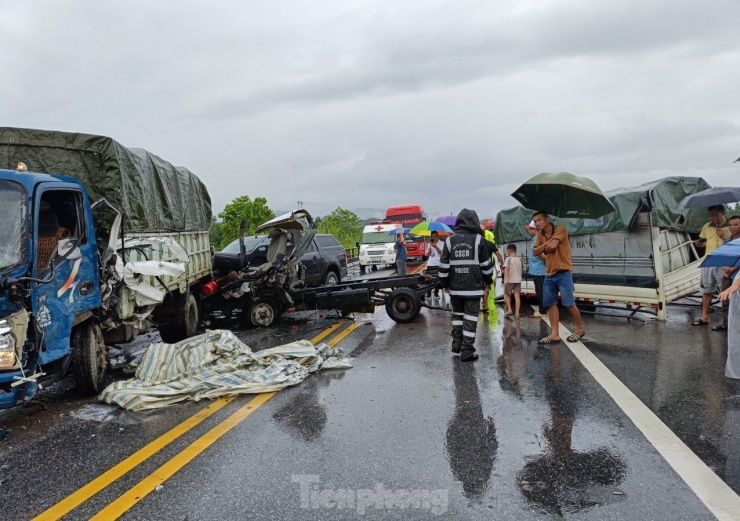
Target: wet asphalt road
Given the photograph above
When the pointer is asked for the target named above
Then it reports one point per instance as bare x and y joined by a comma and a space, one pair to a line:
410, 432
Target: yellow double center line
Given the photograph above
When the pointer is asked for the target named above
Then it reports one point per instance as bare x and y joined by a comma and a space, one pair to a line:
148, 484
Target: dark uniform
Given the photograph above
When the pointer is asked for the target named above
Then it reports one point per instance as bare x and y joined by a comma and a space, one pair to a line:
465, 268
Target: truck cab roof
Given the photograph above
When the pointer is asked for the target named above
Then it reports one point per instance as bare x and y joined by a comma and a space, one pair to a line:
29, 180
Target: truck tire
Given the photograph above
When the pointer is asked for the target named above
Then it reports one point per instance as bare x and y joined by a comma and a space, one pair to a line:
183, 320
403, 305
261, 312
331, 278
362, 269
90, 364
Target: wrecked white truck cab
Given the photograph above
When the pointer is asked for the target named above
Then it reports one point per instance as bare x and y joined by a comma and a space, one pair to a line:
262, 293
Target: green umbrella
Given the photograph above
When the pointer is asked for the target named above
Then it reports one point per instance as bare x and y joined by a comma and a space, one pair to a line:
564, 195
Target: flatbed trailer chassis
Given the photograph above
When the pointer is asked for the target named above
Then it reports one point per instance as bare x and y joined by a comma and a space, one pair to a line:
401, 296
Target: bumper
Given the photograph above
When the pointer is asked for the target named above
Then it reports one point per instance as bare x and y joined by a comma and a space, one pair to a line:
371, 260
14, 395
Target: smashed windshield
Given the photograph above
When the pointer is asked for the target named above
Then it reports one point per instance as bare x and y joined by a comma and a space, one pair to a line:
13, 235
250, 244
377, 238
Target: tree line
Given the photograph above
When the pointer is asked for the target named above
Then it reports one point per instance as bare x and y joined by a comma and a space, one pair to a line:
343, 224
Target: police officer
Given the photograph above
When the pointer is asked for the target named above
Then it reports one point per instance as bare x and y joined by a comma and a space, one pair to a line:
465, 268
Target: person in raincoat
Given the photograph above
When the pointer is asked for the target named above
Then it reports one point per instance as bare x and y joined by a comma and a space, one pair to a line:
465, 269
490, 242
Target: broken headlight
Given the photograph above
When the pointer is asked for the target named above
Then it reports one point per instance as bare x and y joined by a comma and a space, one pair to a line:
7, 345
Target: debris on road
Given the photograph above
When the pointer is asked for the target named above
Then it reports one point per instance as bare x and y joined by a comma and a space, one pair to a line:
217, 364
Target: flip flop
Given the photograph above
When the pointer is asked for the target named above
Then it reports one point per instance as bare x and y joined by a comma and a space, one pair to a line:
719, 327
546, 341
700, 322
575, 337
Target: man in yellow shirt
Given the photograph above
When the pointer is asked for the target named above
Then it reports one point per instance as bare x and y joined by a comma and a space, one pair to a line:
712, 236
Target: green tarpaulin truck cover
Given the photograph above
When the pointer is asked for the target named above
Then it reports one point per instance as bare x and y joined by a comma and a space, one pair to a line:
153, 194
658, 197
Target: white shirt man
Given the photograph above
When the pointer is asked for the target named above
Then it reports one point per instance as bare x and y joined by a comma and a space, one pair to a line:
435, 251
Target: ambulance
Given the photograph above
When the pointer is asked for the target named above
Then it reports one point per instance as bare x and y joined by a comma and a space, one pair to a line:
376, 246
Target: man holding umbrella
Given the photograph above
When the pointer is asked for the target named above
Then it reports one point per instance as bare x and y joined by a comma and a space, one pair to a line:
553, 242
562, 195
465, 268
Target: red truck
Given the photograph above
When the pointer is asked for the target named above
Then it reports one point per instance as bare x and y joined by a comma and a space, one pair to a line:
409, 216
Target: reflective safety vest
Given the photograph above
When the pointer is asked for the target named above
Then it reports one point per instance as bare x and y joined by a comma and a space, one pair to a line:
465, 266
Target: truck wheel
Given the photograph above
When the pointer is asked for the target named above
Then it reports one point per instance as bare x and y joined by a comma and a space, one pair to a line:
90, 364
331, 279
362, 269
403, 305
260, 312
183, 320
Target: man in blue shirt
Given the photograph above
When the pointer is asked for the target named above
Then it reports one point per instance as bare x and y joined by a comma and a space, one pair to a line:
401, 255
536, 270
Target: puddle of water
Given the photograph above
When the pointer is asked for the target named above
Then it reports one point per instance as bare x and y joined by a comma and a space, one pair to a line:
104, 413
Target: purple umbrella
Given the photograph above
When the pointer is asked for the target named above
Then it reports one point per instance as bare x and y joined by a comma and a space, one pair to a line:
449, 220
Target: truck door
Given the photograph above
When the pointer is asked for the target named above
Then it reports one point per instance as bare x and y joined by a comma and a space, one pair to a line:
312, 261
64, 248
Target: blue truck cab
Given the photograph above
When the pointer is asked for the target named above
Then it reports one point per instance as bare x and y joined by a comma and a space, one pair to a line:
49, 285
98, 243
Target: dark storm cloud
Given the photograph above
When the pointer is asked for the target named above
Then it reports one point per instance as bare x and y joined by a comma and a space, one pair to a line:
367, 104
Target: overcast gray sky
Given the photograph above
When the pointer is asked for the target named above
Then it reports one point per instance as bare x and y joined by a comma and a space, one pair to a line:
366, 104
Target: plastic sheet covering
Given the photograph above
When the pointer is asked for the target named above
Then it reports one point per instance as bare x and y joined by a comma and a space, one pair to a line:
659, 197
217, 364
153, 194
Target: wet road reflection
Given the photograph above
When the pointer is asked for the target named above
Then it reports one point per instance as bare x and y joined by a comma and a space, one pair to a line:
305, 417
678, 371
471, 437
564, 480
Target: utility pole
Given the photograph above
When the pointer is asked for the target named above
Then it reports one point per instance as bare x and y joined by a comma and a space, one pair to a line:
300, 204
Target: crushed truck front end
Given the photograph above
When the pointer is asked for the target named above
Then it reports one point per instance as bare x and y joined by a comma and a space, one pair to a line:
48, 278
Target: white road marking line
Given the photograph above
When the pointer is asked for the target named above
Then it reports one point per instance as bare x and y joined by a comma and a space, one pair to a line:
719, 498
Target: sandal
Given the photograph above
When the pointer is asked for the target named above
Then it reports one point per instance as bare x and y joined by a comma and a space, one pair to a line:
720, 327
700, 322
546, 341
575, 337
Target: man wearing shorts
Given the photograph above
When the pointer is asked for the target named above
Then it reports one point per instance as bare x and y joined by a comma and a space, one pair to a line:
712, 236
553, 242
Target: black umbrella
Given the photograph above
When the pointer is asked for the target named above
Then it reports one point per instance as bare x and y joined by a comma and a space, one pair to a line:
711, 197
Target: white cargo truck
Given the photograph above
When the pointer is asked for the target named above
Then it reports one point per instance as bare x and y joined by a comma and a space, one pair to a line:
641, 257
